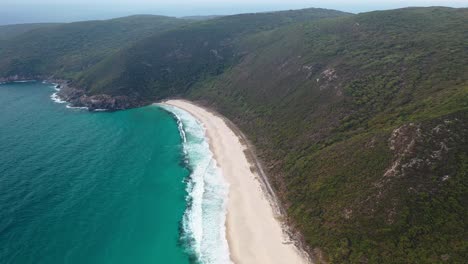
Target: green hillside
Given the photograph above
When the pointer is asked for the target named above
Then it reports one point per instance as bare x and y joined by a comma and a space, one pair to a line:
361, 121
323, 101
172, 62
68, 49
11, 31
362, 125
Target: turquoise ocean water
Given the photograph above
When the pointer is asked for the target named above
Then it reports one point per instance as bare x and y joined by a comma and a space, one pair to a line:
80, 187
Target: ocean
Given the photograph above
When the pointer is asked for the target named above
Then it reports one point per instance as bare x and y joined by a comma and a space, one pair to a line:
133, 186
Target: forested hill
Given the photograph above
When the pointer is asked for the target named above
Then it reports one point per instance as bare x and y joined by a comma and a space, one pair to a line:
65, 50
172, 62
362, 123
11, 31
360, 120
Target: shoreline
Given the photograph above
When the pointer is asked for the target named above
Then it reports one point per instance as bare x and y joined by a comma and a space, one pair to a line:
77, 97
254, 226
254, 229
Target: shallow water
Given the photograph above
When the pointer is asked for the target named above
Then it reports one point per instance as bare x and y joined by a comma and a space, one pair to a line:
80, 187
204, 230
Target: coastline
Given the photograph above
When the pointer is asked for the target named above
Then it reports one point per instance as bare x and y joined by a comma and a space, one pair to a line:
77, 97
254, 229
253, 225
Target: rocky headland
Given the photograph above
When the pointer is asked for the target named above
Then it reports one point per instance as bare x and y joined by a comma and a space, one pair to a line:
77, 97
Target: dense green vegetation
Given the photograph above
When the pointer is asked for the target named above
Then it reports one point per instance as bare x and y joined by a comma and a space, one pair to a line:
67, 49
320, 101
360, 120
11, 31
170, 63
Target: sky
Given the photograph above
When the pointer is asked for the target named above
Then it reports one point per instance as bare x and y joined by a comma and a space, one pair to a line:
32, 11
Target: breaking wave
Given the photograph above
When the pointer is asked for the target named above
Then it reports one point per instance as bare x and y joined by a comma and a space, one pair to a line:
204, 229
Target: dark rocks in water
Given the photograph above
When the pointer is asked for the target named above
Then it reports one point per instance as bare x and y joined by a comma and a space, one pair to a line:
78, 98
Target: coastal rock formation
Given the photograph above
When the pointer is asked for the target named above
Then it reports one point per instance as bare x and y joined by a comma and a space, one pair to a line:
78, 98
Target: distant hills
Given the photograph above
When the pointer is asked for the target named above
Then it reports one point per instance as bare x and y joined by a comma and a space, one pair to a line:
361, 120
170, 63
11, 31
200, 17
67, 49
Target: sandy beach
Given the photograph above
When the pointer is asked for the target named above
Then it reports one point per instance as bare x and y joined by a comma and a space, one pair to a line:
254, 232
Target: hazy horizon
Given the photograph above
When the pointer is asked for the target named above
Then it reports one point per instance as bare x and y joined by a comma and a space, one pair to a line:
29, 11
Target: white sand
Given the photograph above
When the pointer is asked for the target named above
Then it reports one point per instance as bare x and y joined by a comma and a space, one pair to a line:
254, 233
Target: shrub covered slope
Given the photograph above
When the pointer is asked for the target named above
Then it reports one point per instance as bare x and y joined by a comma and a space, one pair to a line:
360, 120
64, 50
362, 124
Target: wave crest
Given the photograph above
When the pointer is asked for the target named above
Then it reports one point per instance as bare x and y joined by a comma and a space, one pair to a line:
204, 228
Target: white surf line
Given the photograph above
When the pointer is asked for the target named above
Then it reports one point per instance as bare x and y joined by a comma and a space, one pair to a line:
254, 233
205, 216
56, 98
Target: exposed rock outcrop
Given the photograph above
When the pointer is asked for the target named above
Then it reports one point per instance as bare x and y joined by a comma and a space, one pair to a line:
423, 162
78, 98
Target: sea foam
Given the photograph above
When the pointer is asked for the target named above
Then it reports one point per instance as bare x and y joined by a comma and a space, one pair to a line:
204, 228
56, 98
24, 81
